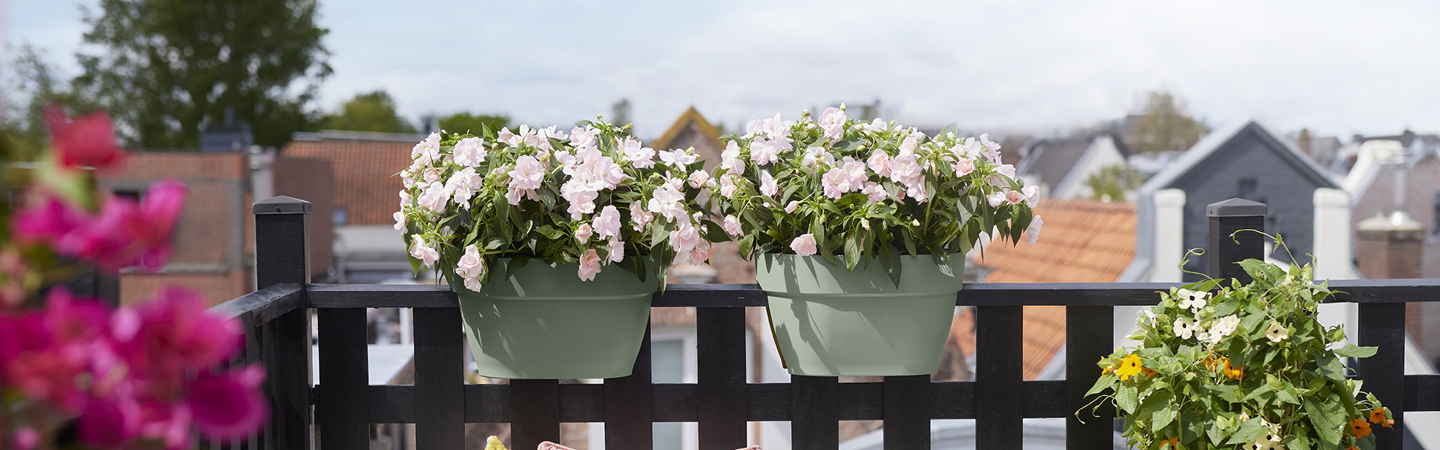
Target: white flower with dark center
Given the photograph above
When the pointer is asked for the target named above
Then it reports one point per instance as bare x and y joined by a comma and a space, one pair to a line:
1224, 326
1194, 300
1184, 328
1277, 332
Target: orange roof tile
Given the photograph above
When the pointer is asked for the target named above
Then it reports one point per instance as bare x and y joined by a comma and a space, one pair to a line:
1081, 241
365, 182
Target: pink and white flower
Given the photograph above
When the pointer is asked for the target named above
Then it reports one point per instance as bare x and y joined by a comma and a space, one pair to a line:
804, 244
463, 185
528, 173
814, 156
427, 152
583, 233
698, 178
399, 222
730, 158
1032, 195
836, 183
419, 250
582, 137
762, 152
607, 224
964, 166
1014, 197
434, 197
727, 185
678, 157
470, 152
1033, 231
992, 150
768, 186
638, 156
790, 208
732, 226
879, 162
996, 199
874, 191
470, 267
1002, 176
777, 129
832, 122
640, 218
589, 265
685, 238
669, 202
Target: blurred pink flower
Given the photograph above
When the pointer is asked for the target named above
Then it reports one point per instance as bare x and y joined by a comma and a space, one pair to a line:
175, 334
110, 421
46, 223
44, 353
804, 245
87, 140
228, 405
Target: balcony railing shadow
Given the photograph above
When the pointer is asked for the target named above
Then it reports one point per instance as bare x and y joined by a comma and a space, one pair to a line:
343, 406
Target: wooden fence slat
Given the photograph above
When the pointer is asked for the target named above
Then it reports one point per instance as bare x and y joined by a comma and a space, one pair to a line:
535, 406
720, 338
282, 242
814, 413
998, 377
1088, 337
439, 379
344, 408
628, 407
907, 423
1383, 325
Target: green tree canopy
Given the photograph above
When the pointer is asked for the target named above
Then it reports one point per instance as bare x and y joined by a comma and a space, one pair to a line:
1112, 182
1164, 125
163, 67
32, 85
465, 122
370, 111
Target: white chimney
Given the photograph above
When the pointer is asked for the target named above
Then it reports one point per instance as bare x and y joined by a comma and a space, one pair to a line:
1169, 235
1334, 257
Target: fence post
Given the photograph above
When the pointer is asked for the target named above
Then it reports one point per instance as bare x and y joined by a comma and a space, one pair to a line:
1225, 252
282, 256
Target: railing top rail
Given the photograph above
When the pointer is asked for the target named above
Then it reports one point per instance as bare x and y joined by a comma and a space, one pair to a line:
259, 307
976, 294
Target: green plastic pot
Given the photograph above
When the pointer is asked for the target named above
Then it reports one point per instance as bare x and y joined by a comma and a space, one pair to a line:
829, 321
543, 322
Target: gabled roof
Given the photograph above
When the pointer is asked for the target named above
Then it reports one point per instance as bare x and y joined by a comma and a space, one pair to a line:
691, 115
1217, 140
1050, 160
1081, 241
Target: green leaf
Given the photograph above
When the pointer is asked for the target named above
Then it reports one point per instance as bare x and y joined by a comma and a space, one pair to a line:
1105, 382
1249, 431
1127, 398
852, 251
1162, 418
909, 243
890, 261
1191, 427
515, 264
713, 231
550, 232
1326, 418
1351, 351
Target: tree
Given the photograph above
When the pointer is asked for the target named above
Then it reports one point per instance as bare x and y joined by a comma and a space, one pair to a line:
466, 123
33, 86
164, 67
1112, 182
370, 111
1165, 125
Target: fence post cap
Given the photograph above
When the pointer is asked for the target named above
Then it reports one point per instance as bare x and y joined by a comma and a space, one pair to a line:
1236, 207
281, 205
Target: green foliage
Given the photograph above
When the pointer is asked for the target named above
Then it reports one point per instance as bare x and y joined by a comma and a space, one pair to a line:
1240, 367
906, 192
370, 111
464, 122
163, 67
1112, 182
33, 86
1165, 126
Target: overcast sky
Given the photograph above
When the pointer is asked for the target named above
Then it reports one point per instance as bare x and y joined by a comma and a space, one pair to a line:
1337, 67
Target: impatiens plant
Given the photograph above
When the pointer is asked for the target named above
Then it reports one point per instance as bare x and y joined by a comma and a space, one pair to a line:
1246, 367
594, 195
142, 376
866, 190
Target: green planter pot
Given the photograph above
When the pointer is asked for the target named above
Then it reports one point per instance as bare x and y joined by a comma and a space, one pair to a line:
543, 322
831, 322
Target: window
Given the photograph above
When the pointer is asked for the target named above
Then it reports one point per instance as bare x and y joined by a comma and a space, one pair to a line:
667, 365
341, 217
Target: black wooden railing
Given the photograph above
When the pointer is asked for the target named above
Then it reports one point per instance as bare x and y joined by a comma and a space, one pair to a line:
440, 404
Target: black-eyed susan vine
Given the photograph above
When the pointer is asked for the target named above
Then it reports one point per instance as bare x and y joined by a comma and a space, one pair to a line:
1240, 367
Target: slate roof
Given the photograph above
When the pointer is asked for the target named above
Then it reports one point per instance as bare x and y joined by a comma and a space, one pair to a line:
1052, 159
365, 167
1082, 241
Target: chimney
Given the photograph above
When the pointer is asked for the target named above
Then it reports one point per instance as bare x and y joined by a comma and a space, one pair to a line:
1391, 247
1169, 235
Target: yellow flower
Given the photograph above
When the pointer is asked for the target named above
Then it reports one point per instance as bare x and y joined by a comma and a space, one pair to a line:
494, 444
1107, 369
1129, 367
1231, 371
